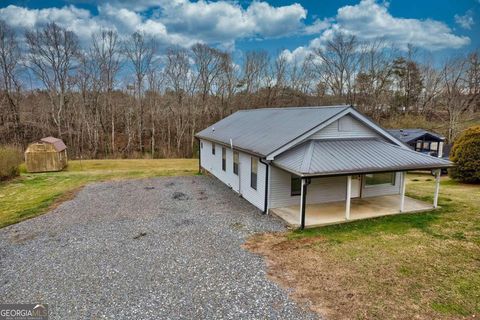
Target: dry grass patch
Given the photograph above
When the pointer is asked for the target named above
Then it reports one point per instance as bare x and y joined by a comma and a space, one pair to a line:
415, 266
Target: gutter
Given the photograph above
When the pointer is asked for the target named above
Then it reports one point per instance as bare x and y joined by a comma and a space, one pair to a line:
253, 153
265, 203
365, 171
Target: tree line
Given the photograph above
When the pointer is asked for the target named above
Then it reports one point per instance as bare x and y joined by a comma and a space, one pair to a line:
128, 97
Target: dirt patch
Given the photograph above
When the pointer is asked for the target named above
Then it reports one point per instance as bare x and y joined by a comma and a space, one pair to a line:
202, 195
19, 238
179, 196
338, 286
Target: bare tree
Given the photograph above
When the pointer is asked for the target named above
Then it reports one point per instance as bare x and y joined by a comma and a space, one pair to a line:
336, 65
140, 52
208, 62
254, 70
10, 56
179, 78
226, 84
373, 80
106, 57
52, 57
455, 96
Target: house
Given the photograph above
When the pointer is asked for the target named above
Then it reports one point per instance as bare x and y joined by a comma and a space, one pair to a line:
421, 140
314, 165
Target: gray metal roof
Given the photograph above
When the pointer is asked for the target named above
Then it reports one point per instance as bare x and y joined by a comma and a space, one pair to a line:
262, 131
407, 135
58, 144
350, 156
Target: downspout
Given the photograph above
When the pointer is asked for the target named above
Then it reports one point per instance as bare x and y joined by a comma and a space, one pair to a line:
305, 183
265, 207
199, 157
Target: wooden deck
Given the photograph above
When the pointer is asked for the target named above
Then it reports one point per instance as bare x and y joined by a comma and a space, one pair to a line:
322, 214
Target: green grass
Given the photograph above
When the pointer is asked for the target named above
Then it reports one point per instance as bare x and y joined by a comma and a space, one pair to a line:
426, 261
32, 194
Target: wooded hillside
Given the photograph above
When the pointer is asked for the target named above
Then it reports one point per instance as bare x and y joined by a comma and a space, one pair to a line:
123, 96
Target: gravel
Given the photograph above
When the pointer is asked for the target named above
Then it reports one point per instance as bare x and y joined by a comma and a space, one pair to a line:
145, 249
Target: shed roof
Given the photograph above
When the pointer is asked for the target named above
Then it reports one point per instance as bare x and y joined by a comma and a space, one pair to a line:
262, 131
351, 156
58, 144
408, 135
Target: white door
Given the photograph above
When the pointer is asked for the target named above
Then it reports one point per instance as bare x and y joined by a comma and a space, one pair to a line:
356, 186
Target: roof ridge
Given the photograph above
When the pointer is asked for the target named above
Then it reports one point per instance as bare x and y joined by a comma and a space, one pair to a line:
307, 158
295, 108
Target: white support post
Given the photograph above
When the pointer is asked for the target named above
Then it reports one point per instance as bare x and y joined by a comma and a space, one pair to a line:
349, 196
402, 192
437, 188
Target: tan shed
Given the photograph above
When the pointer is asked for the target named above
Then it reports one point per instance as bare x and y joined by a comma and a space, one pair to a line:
48, 154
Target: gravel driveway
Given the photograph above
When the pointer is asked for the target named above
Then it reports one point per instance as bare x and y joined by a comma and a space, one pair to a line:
144, 249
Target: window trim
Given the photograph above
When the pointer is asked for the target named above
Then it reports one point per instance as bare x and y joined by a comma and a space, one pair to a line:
252, 161
394, 180
296, 193
235, 164
224, 159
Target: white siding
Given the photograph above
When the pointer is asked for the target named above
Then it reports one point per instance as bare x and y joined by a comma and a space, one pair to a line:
240, 183
345, 127
382, 189
320, 190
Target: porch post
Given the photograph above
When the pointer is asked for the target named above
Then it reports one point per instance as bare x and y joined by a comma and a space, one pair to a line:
402, 192
349, 196
437, 188
303, 203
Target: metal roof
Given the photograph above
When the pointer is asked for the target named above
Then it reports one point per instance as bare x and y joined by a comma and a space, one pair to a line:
351, 156
57, 143
262, 131
407, 135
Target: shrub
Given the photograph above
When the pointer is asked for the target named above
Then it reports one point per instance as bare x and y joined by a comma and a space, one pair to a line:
10, 160
466, 155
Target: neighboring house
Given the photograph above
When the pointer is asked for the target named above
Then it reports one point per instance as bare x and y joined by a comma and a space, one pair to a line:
421, 140
313, 165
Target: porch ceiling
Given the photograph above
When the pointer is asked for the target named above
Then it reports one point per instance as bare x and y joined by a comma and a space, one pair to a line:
353, 156
361, 208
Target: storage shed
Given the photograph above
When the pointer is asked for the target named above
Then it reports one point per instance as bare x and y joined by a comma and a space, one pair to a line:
48, 154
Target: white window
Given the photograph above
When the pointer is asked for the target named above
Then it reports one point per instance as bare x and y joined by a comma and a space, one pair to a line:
253, 173
236, 161
224, 159
295, 186
374, 179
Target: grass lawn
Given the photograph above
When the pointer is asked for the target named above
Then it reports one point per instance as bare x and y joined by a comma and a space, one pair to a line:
411, 266
32, 194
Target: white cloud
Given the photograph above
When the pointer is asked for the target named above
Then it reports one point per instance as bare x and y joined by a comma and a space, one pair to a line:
225, 21
318, 26
177, 22
465, 21
370, 20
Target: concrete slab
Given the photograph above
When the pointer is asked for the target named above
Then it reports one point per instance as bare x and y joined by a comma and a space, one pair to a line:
320, 214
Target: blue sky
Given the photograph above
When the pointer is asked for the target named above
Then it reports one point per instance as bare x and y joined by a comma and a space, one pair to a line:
440, 27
